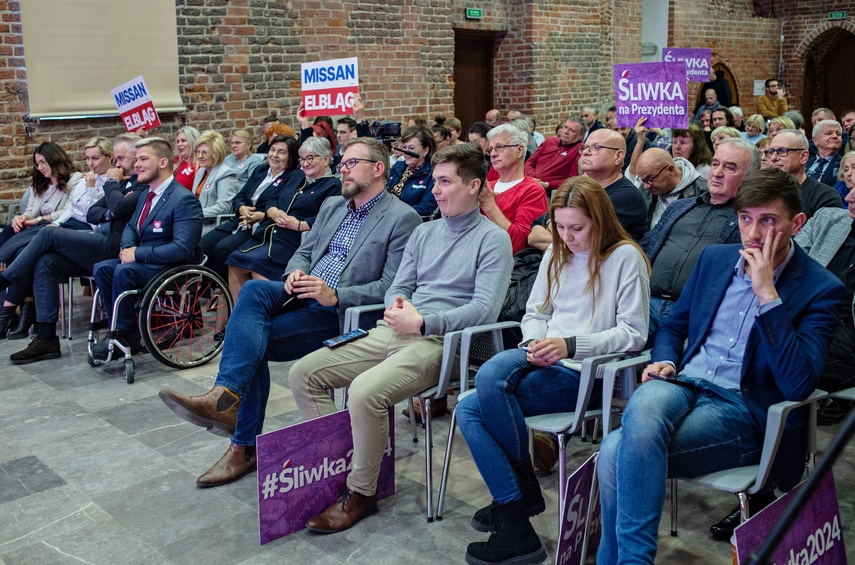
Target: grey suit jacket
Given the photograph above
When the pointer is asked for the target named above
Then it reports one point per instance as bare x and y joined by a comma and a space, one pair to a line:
824, 234
217, 194
374, 257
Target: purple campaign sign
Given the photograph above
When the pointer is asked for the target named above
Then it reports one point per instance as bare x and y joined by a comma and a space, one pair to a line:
657, 91
814, 538
302, 469
576, 519
698, 62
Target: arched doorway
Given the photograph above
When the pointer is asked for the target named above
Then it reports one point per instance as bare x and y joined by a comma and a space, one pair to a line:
829, 79
723, 76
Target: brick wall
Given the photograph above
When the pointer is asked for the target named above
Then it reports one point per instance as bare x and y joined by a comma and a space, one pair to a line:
747, 44
807, 33
239, 59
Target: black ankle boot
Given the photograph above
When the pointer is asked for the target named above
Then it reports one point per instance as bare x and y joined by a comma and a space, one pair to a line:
25, 322
484, 519
8, 319
514, 540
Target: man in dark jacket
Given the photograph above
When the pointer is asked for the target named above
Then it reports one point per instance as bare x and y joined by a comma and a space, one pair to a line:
56, 254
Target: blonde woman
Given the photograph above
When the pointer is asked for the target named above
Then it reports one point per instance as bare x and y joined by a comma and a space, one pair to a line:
215, 184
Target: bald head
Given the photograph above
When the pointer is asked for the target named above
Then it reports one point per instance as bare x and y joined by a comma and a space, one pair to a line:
603, 164
657, 171
710, 96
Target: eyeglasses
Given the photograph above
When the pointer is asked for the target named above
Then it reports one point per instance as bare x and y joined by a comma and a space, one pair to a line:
781, 151
497, 148
308, 159
350, 163
202, 153
594, 149
649, 180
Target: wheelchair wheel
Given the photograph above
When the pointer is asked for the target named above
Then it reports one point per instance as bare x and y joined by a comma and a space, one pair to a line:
182, 310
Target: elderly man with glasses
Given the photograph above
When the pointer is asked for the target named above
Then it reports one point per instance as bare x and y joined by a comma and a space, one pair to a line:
666, 180
789, 152
349, 258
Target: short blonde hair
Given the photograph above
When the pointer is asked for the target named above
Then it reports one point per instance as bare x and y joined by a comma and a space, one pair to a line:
244, 135
726, 130
758, 122
104, 145
216, 144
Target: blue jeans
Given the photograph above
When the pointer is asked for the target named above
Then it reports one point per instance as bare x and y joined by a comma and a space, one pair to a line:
492, 420
667, 431
257, 332
659, 310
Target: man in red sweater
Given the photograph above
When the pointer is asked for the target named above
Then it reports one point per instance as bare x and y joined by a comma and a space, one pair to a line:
557, 158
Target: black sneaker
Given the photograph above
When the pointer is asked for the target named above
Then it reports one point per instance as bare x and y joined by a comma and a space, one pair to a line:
37, 350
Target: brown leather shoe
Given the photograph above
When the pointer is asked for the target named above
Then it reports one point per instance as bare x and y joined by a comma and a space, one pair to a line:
438, 407
350, 508
215, 411
545, 451
238, 460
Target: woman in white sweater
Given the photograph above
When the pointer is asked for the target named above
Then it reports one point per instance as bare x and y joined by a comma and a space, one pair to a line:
591, 297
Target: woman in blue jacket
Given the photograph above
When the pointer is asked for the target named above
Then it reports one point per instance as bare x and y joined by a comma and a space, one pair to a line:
410, 179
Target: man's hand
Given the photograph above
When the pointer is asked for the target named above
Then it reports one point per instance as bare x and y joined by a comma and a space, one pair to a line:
116, 174
127, 255
640, 129
291, 279
659, 368
307, 286
781, 93
546, 352
358, 109
760, 266
487, 198
403, 317
545, 185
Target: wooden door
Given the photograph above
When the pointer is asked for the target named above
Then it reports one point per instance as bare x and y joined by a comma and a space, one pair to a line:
837, 80
473, 77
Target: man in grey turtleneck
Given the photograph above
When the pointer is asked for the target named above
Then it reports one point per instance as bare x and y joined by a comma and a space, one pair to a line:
454, 274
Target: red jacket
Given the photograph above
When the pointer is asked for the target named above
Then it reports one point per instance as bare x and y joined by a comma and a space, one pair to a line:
521, 204
553, 163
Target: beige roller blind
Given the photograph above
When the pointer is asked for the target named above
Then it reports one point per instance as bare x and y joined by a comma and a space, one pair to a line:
76, 51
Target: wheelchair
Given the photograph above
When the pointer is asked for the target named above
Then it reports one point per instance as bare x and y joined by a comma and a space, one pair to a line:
180, 311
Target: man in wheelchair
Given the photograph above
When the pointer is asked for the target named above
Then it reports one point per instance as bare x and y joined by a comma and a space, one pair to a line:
758, 319
165, 229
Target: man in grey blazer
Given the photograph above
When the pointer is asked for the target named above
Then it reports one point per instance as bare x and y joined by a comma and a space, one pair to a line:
349, 258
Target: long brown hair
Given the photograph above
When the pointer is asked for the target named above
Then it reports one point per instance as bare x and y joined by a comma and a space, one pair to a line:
607, 234
61, 167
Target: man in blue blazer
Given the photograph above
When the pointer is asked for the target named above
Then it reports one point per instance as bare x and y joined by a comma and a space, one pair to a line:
757, 321
164, 230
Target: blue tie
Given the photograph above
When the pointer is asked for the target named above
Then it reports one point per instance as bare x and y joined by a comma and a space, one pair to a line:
816, 172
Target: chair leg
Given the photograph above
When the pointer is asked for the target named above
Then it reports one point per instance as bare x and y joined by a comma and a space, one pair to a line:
428, 459
595, 432
531, 444
62, 331
70, 305
674, 507
562, 471
413, 422
446, 464
744, 509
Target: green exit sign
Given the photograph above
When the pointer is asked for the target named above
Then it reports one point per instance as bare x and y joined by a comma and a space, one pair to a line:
474, 13
836, 15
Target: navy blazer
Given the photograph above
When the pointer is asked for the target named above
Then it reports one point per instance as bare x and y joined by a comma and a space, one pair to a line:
786, 347
242, 198
829, 176
418, 190
171, 231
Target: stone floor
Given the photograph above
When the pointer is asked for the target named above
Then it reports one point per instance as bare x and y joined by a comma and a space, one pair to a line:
98, 471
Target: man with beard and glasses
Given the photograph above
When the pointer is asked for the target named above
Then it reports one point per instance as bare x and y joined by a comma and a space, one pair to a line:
349, 258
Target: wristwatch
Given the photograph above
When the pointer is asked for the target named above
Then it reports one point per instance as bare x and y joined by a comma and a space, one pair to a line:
39, 219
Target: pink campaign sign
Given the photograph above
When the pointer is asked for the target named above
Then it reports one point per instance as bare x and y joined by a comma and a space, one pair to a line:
815, 538
302, 470
657, 91
698, 62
